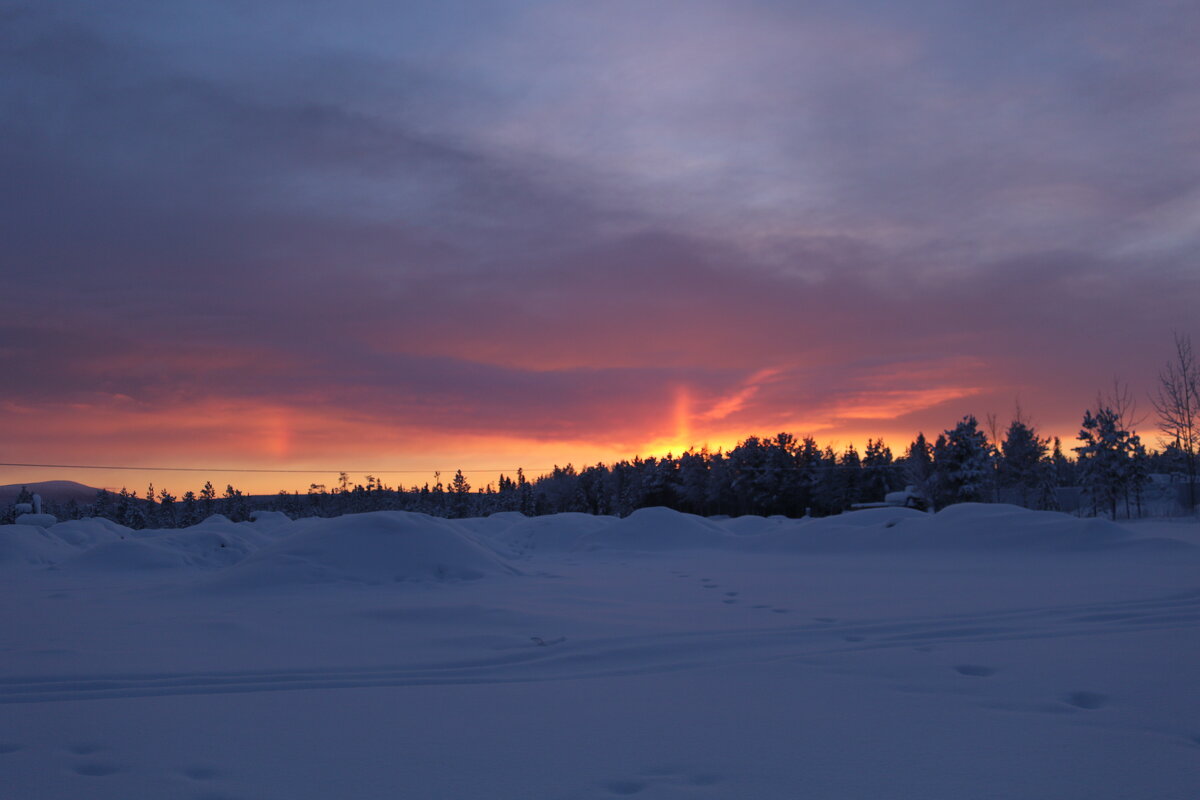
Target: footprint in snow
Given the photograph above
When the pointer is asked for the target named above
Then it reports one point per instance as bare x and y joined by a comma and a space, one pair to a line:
625, 787
97, 769
632, 786
540, 642
1086, 700
975, 670
84, 748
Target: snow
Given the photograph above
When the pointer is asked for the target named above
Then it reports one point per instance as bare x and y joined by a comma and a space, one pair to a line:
985, 651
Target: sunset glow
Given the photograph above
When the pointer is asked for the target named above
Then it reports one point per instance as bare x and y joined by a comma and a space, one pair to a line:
532, 235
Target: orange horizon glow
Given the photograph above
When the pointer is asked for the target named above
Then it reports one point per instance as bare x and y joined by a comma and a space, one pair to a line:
229, 435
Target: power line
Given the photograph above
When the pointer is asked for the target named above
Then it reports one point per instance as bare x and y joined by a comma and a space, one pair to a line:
270, 471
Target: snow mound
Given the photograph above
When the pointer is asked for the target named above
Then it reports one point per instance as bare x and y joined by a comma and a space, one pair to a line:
957, 528
269, 520
373, 548
491, 525
750, 524
872, 517
25, 545
127, 555
558, 533
40, 520
1007, 527
658, 529
90, 532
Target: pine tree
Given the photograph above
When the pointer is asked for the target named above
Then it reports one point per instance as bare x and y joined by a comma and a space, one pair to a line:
208, 499
964, 463
877, 472
191, 512
921, 474
849, 477
166, 509
459, 494
1111, 460
1064, 469
102, 505
1023, 461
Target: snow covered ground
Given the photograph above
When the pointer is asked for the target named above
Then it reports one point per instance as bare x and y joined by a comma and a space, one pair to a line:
983, 652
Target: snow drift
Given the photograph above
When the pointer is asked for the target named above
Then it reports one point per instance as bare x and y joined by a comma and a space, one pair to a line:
373, 548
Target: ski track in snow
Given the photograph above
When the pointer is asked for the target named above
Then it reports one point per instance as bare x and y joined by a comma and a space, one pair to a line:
652, 653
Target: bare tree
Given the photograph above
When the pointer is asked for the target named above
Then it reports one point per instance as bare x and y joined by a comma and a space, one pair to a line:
1121, 400
1177, 403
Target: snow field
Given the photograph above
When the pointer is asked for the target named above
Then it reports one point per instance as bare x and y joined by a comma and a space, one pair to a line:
986, 651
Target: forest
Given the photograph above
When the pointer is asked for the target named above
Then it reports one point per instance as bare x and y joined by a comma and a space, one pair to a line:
1109, 472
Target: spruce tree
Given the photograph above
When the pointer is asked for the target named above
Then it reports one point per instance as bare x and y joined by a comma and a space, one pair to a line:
1023, 464
964, 463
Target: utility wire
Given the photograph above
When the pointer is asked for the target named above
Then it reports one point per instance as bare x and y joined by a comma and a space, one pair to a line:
244, 469
739, 468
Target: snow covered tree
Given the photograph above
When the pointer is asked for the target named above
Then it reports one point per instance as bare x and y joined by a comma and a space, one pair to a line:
878, 475
166, 510
190, 514
1111, 460
208, 500
849, 476
102, 505
1064, 469
919, 469
827, 498
1023, 463
233, 504
964, 463
459, 495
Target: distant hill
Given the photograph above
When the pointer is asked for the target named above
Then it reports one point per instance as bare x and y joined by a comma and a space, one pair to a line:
51, 491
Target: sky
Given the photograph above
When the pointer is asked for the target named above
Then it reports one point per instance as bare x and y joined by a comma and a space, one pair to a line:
380, 236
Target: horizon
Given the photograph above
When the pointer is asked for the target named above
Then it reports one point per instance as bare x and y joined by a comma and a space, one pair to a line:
253, 481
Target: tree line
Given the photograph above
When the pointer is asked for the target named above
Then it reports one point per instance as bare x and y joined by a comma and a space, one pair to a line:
786, 475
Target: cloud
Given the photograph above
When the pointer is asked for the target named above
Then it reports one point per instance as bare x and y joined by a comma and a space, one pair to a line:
550, 228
